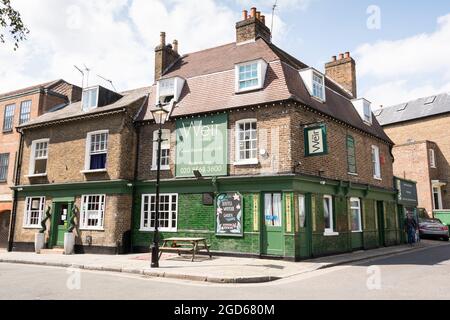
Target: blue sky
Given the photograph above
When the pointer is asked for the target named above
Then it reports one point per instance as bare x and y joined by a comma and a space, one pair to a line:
406, 58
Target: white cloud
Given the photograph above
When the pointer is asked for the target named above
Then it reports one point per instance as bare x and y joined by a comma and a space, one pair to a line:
116, 39
409, 68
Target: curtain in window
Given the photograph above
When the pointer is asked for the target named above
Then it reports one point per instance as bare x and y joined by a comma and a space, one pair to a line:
98, 161
268, 209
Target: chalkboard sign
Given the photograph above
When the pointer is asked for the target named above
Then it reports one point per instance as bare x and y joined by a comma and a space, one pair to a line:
229, 215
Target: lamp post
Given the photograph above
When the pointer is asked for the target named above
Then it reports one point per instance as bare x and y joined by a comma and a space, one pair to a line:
160, 116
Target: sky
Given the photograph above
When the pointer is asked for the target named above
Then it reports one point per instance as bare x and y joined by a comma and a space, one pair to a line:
401, 48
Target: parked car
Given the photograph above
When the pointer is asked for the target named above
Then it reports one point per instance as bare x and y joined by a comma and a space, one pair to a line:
433, 228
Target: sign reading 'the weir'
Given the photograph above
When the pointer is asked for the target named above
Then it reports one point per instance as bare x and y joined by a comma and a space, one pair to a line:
316, 141
202, 146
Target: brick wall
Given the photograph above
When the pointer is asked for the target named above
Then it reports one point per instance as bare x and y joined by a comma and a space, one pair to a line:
435, 130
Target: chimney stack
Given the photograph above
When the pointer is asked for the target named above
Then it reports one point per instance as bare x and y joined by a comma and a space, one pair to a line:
343, 71
252, 27
165, 55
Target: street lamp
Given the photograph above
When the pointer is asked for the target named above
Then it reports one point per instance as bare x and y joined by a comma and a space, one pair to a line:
160, 116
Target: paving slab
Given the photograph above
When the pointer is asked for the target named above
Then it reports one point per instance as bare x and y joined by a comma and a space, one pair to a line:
216, 270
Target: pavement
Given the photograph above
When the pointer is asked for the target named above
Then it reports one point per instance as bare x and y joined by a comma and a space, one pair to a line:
217, 270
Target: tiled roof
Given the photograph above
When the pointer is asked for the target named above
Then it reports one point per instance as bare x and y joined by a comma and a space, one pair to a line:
417, 109
45, 85
74, 110
210, 85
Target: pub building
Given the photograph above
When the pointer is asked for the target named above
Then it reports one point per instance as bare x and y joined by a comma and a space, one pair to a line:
262, 155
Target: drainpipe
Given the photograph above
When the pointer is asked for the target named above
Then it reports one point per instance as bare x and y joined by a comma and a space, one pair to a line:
12, 223
133, 190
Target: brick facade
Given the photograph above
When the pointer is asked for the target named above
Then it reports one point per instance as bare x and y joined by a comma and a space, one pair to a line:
412, 159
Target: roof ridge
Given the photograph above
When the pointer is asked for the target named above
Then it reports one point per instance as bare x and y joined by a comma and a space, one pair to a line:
207, 49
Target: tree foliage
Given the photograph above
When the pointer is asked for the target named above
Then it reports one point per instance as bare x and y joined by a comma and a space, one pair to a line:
11, 24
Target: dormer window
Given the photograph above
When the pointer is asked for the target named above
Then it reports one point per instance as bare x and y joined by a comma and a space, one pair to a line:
250, 75
318, 86
90, 98
314, 82
364, 108
169, 89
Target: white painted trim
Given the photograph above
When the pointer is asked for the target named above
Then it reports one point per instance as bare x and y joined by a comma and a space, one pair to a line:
96, 102
330, 234
262, 70
155, 147
82, 213
36, 175
439, 187
148, 229
94, 171
238, 160
87, 156
33, 154
360, 229
25, 224
377, 163
330, 231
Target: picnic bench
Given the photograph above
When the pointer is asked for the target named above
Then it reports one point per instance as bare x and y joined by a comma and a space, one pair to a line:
185, 245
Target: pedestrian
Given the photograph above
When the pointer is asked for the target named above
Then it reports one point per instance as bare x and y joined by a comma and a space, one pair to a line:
410, 228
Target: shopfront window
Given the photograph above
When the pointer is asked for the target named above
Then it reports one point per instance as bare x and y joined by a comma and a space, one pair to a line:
272, 209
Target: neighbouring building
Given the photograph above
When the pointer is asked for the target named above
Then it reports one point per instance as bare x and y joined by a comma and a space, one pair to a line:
262, 155
78, 161
17, 108
422, 147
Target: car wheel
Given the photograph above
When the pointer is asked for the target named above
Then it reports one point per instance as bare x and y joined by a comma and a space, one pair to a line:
446, 239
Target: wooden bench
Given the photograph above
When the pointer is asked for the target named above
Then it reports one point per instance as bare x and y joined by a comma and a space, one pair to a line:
185, 245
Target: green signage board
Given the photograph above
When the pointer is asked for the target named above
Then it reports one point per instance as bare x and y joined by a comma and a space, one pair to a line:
316, 141
202, 146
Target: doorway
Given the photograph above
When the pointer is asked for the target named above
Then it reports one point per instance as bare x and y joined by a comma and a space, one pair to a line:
272, 236
60, 222
381, 225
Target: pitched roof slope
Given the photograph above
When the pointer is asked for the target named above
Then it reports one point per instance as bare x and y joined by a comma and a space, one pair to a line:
74, 110
416, 109
210, 85
45, 85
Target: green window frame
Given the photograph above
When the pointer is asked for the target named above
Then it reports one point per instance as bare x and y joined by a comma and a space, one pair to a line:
351, 155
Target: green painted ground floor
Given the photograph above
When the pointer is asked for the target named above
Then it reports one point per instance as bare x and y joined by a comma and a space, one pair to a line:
292, 217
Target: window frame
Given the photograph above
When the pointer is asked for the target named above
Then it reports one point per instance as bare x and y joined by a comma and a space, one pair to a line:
352, 139
27, 212
439, 194
261, 68
97, 88
279, 223
432, 157
367, 117
33, 158
359, 208
27, 103
302, 219
11, 117
4, 167
329, 231
170, 229
321, 85
249, 161
87, 160
101, 225
163, 147
376, 163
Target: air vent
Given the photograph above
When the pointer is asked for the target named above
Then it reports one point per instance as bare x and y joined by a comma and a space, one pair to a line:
402, 107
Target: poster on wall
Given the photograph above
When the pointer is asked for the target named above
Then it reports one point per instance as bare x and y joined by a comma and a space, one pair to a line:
316, 141
229, 215
202, 146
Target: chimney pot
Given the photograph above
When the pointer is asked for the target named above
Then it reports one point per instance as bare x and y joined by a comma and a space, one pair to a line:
175, 46
263, 19
244, 15
347, 54
258, 15
333, 58
253, 12
163, 38
341, 56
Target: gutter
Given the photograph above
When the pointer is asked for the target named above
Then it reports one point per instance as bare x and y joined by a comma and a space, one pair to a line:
18, 170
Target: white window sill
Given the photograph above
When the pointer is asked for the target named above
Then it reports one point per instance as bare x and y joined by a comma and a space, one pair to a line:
159, 230
162, 168
32, 227
246, 162
352, 174
36, 175
357, 231
378, 178
92, 229
249, 89
318, 99
330, 234
94, 171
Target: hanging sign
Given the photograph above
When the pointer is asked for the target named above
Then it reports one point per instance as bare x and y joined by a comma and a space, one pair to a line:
316, 141
229, 215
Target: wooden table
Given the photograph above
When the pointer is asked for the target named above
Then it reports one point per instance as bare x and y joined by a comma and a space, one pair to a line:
185, 245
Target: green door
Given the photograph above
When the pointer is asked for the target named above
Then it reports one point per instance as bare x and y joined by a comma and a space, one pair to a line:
272, 242
381, 227
305, 229
60, 223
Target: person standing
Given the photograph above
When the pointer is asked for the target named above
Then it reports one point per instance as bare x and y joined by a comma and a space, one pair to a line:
410, 228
